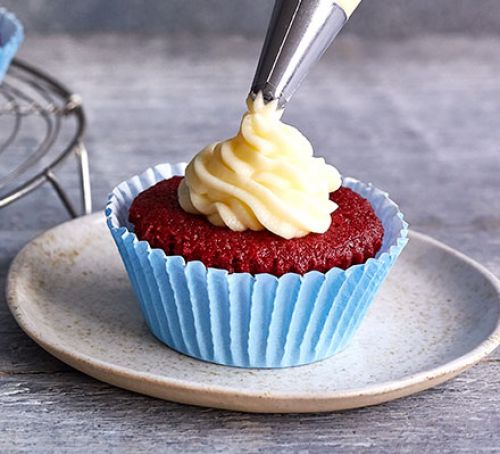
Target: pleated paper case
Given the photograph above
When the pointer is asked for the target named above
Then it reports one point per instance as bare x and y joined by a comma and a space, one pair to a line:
245, 320
11, 35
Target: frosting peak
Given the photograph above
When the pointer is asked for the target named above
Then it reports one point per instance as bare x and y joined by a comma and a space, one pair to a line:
263, 178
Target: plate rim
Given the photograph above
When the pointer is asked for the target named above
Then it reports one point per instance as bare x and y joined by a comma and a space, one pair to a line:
268, 402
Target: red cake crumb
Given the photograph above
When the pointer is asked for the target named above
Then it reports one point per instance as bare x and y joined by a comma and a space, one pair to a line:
354, 236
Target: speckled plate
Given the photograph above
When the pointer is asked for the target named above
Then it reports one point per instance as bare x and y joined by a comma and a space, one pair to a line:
437, 315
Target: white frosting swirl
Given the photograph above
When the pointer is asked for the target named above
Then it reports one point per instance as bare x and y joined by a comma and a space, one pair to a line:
263, 178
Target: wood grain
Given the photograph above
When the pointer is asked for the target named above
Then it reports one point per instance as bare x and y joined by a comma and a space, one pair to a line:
419, 118
71, 411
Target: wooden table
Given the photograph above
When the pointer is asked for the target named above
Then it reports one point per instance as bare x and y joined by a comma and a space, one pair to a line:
419, 118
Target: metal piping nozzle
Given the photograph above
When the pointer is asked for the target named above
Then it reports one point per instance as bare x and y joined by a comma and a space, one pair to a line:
299, 33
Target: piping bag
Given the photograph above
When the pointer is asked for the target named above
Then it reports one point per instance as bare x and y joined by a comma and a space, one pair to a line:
299, 33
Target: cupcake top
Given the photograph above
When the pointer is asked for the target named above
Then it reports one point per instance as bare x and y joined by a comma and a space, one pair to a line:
263, 178
355, 235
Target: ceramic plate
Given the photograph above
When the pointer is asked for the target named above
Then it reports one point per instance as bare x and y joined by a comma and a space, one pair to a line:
437, 314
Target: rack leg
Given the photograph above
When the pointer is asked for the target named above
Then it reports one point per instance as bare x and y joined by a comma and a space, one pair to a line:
86, 194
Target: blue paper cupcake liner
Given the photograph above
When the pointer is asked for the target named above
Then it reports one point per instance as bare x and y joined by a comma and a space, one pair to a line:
11, 36
245, 320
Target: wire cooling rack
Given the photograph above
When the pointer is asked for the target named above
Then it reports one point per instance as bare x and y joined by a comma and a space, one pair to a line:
41, 125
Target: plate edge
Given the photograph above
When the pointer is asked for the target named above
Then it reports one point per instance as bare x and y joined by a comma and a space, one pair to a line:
290, 403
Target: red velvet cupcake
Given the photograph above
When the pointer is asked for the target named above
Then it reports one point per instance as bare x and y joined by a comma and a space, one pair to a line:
257, 254
251, 319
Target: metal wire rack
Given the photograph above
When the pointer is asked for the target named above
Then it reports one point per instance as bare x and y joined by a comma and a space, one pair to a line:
41, 124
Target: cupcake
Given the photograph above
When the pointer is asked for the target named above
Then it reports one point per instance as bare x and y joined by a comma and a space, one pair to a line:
257, 254
11, 35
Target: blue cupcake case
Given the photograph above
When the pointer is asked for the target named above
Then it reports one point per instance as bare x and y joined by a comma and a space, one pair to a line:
244, 320
11, 36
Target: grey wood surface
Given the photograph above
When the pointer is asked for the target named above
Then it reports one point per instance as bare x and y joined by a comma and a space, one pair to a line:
376, 18
419, 118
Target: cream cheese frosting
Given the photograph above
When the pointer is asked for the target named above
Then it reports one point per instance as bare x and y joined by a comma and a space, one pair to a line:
348, 5
263, 178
